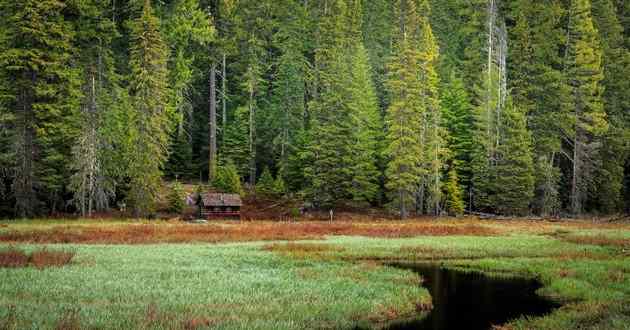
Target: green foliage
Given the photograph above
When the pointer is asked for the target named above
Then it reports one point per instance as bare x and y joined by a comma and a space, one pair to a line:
176, 198
454, 199
265, 183
150, 120
228, 180
458, 120
43, 97
514, 182
406, 113
587, 116
279, 188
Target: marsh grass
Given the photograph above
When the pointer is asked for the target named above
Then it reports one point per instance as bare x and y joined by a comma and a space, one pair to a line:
41, 258
306, 275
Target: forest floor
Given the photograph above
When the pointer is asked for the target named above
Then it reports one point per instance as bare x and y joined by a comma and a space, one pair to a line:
298, 275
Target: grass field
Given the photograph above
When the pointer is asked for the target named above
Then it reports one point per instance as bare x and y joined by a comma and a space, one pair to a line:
263, 275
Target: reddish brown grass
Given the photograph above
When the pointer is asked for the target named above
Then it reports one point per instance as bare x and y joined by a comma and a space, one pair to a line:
69, 320
45, 258
601, 240
237, 232
13, 258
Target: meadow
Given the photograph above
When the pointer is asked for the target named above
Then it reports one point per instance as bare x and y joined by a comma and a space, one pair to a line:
279, 275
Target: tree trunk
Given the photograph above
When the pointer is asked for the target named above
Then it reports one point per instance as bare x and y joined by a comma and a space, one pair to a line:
223, 100
252, 132
212, 123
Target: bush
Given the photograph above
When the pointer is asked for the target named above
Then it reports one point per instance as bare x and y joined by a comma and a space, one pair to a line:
176, 198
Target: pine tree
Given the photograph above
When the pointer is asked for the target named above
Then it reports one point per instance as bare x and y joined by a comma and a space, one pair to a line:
514, 183
330, 172
148, 85
176, 198
265, 183
454, 199
368, 131
538, 87
42, 92
458, 120
406, 112
615, 150
588, 119
92, 186
228, 179
434, 132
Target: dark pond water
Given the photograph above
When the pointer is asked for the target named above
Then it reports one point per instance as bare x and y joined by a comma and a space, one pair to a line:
474, 301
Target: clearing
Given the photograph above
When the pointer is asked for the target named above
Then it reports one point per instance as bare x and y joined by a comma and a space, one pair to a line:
278, 275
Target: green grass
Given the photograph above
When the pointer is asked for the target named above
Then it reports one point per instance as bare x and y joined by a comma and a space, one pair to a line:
339, 282
225, 286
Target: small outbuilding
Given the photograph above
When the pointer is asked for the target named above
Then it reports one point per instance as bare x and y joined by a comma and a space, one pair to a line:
216, 205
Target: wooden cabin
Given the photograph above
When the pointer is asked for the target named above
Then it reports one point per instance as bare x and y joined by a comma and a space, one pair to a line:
216, 205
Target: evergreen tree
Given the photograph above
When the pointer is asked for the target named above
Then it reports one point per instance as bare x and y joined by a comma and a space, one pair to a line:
42, 91
433, 133
615, 150
367, 135
148, 86
514, 183
454, 199
406, 112
91, 185
176, 198
458, 120
587, 118
538, 87
228, 180
265, 183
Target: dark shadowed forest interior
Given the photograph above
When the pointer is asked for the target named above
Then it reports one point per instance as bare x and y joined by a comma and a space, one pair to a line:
418, 107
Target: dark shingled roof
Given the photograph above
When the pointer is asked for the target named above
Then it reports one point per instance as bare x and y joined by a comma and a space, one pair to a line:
214, 199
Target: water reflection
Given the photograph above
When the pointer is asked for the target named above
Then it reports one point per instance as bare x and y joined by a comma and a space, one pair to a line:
474, 301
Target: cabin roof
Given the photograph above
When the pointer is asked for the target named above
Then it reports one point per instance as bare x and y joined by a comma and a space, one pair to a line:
216, 199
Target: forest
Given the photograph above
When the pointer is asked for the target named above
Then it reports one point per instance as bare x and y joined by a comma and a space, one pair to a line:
418, 107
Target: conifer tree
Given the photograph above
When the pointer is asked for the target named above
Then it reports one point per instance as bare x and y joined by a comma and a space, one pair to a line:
615, 150
330, 173
367, 134
42, 91
265, 183
228, 179
454, 199
587, 117
458, 120
434, 132
92, 186
148, 86
514, 182
406, 113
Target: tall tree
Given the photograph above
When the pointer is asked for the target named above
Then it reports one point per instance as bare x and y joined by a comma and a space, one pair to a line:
91, 185
43, 93
588, 119
458, 120
367, 135
514, 182
148, 88
413, 121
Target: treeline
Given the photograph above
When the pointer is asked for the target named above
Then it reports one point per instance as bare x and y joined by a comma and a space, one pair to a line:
421, 106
